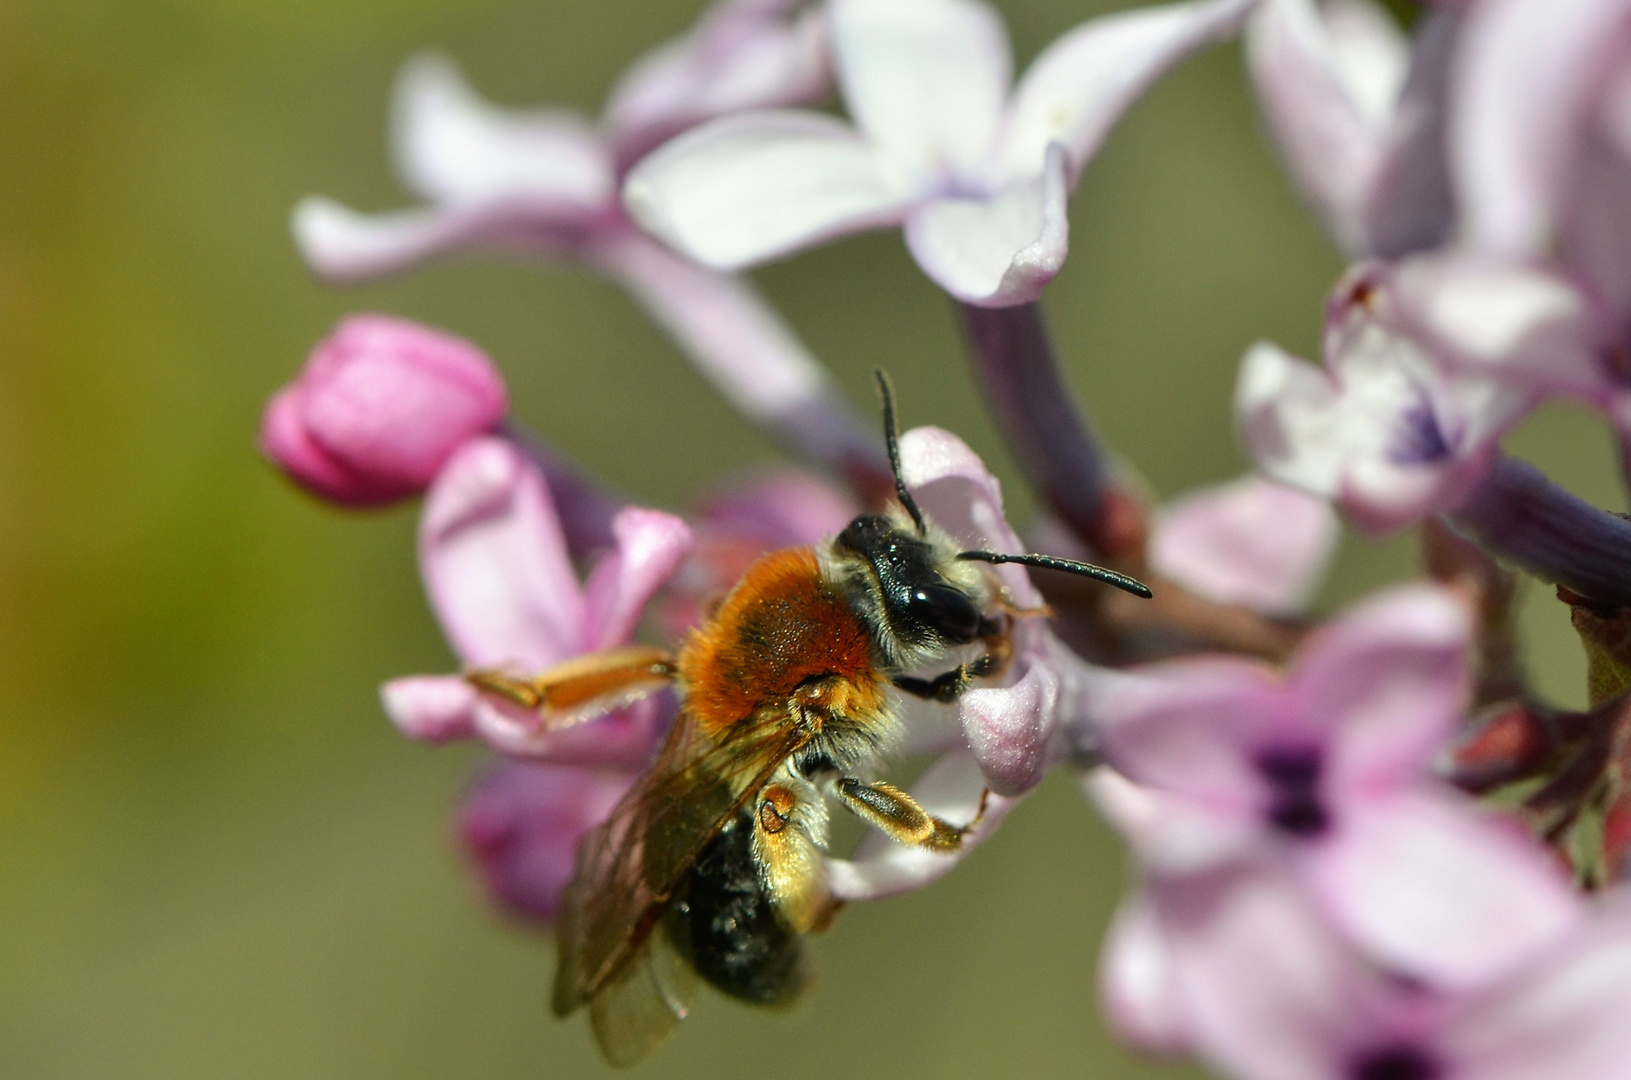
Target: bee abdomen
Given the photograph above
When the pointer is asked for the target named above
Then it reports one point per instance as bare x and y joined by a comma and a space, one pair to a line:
728, 926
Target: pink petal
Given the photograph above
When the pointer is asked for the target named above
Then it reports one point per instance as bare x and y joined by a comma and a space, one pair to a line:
650, 547
924, 79
1389, 679
454, 148
742, 54
522, 823
1269, 991
1525, 73
1564, 1021
951, 789
494, 561
1170, 833
1008, 728
1081, 84
1250, 542
1137, 985
999, 250
1432, 888
432, 708
1193, 727
340, 244
748, 188
625, 739
747, 352
955, 490
1328, 116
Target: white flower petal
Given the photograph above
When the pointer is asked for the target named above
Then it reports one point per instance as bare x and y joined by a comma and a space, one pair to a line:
1080, 85
1000, 250
748, 188
924, 79
1284, 409
452, 147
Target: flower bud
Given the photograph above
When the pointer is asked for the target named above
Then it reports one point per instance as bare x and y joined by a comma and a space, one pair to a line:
379, 406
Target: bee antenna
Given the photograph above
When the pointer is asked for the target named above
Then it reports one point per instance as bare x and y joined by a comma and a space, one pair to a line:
1069, 566
891, 438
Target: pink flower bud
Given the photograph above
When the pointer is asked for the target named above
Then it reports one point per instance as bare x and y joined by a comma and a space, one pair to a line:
379, 406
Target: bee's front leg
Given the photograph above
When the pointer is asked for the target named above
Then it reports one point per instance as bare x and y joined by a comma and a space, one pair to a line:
899, 816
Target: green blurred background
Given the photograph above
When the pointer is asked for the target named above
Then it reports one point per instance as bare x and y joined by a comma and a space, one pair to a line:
216, 857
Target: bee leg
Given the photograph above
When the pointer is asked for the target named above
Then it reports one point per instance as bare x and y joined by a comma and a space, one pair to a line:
954, 683
523, 692
899, 816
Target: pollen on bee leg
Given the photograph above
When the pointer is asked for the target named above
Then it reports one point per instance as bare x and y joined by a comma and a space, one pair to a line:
789, 858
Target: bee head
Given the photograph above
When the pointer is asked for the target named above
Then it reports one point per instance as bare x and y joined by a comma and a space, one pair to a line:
919, 603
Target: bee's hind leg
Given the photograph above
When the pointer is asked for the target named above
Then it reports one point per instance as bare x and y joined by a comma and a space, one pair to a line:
899, 816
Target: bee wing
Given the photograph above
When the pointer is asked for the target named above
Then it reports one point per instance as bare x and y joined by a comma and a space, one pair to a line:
630, 866
583, 687
637, 1008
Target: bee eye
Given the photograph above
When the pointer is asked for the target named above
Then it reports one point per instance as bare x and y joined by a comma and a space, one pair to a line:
947, 611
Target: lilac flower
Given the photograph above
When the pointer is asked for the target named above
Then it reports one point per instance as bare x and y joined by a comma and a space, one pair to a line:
1386, 429
976, 171
1250, 542
1357, 110
379, 407
496, 568
545, 183
521, 824
1270, 993
1325, 774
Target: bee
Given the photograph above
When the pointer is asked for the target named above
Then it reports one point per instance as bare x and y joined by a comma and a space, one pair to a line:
711, 864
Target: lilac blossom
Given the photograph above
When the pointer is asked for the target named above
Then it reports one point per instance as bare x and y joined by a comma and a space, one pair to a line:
544, 183
521, 822
1357, 109
1325, 774
1270, 993
497, 572
381, 404
1250, 542
977, 172
1384, 429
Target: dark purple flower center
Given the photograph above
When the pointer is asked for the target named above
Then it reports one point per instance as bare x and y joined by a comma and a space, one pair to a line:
1293, 774
1401, 1062
1419, 439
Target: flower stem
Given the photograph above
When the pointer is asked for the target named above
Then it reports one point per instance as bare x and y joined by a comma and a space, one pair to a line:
1019, 378
1520, 516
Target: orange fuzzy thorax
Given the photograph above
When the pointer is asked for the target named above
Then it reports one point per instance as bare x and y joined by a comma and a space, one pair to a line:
781, 625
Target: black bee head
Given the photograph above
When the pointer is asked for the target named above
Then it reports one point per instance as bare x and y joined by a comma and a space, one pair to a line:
920, 605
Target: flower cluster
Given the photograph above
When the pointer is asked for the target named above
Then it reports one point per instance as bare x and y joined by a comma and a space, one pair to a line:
1325, 891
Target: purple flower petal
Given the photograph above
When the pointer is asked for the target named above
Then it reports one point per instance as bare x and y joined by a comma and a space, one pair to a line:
650, 547
1081, 85
747, 188
1137, 984
1388, 680
1440, 892
494, 561
998, 250
624, 739
924, 79
742, 54
1009, 727
522, 823
1329, 82
1250, 542
431, 708
1524, 76
457, 150
1170, 833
